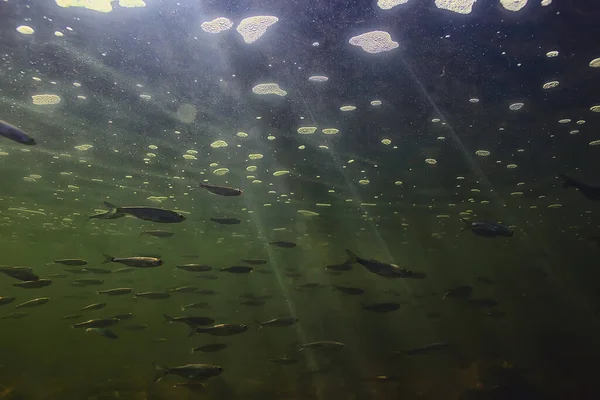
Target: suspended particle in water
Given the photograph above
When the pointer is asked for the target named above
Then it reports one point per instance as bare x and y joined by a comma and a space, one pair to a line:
595, 143
431, 161
516, 106
564, 121
364, 181
217, 25
550, 85
307, 130
330, 131
389, 4
511, 166
482, 153
595, 63
457, 6
374, 42
318, 78
256, 156
25, 30
595, 108
45, 99
513, 5
281, 172
219, 143
221, 171
552, 54
242, 134
269, 88
387, 142
347, 108
376, 103
253, 28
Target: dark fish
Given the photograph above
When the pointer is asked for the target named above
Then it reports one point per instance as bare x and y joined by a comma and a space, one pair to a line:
254, 303
184, 289
99, 270
353, 291
137, 262
192, 322
222, 190
195, 267
485, 280
102, 332
72, 316
97, 323
237, 269
488, 229
95, 306
221, 329
382, 307
71, 261
20, 273
459, 292
158, 233
339, 267
427, 349
77, 270
123, 270
283, 244
136, 327
40, 283
35, 302
148, 213
254, 261
322, 345
124, 316
153, 295
226, 221
280, 322
13, 133
209, 348
57, 275
15, 315
193, 372
383, 269
87, 282
196, 305
592, 192
283, 361
483, 302
6, 300
115, 292
191, 385
206, 292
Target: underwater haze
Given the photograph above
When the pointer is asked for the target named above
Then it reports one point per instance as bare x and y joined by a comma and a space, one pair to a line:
291, 200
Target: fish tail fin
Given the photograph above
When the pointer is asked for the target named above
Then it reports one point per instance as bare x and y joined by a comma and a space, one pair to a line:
193, 332
167, 319
260, 324
107, 258
111, 206
160, 372
352, 258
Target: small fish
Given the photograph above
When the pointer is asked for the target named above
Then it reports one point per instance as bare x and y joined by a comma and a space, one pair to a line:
283, 361
254, 261
321, 345
209, 348
123, 270
6, 300
192, 322
283, 244
102, 332
206, 292
196, 305
226, 221
222, 329
459, 292
20, 273
87, 282
383, 269
592, 192
280, 322
488, 228
483, 302
382, 307
99, 270
124, 316
346, 266
253, 303
115, 292
153, 295
13, 133
195, 267
15, 315
193, 372
222, 190
148, 213
184, 289
77, 270
40, 283
95, 306
191, 385
352, 291
71, 316
97, 323
35, 302
237, 269
158, 233
427, 349
136, 327
71, 261
137, 262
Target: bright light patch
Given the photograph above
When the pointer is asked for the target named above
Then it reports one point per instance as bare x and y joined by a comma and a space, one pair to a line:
268, 88
307, 130
330, 131
217, 25
513, 5
457, 6
253, 28
374, 42
218, 144
45, 99
25, 30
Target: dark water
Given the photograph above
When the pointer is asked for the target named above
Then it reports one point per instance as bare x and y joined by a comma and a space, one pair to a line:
140, 87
